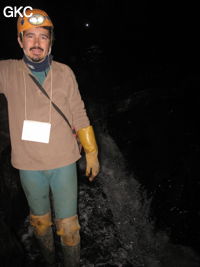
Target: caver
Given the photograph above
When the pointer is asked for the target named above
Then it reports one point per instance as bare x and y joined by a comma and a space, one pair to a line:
46, 113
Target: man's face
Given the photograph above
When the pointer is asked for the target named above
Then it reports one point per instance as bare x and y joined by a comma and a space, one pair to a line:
35, 43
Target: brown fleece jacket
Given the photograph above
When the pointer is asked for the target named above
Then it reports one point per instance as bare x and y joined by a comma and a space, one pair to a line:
62, 148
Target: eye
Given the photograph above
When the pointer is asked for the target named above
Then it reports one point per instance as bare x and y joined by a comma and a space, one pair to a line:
44, 36
29, 35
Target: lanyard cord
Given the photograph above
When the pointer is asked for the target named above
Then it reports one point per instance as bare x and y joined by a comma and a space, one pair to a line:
51, 95
25, 111
25, 96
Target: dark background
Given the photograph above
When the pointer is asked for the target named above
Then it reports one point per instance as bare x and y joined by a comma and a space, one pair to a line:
140, 61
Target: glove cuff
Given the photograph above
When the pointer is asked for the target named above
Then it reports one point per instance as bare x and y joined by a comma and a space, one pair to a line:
87, 139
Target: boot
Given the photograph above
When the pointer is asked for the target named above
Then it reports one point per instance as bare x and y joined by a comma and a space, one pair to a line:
46, 244
71, 255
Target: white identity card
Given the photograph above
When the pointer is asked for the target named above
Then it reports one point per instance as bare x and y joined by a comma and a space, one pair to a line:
36, 131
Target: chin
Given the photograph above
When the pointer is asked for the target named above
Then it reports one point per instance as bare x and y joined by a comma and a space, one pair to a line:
36, 59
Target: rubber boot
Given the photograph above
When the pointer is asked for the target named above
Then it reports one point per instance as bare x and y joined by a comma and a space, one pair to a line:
46, 244
71, 255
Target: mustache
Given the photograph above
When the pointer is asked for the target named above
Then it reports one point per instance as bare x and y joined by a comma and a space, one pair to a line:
36, 47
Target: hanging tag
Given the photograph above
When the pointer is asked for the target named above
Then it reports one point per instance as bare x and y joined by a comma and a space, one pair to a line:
36, 131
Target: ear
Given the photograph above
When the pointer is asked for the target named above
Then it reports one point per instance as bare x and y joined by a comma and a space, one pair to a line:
20, 42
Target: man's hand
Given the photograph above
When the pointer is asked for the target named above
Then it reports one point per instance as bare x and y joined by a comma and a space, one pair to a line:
92, 162
88, 141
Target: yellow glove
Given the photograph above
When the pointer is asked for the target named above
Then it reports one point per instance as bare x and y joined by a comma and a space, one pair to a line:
87, 140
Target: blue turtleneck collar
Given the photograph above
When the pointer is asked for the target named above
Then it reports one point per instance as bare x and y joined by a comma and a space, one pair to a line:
38, 66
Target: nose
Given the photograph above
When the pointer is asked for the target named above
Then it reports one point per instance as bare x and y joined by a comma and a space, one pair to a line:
36, 41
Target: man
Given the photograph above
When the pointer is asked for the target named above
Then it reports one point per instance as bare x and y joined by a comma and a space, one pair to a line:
44, 148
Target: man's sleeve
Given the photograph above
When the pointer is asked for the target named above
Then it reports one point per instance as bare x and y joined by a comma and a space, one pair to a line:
77, 106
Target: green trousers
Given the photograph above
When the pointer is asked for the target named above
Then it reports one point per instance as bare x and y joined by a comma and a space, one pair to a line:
63, 184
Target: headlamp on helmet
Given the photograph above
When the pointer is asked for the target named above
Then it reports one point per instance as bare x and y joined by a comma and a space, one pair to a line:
36, 19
